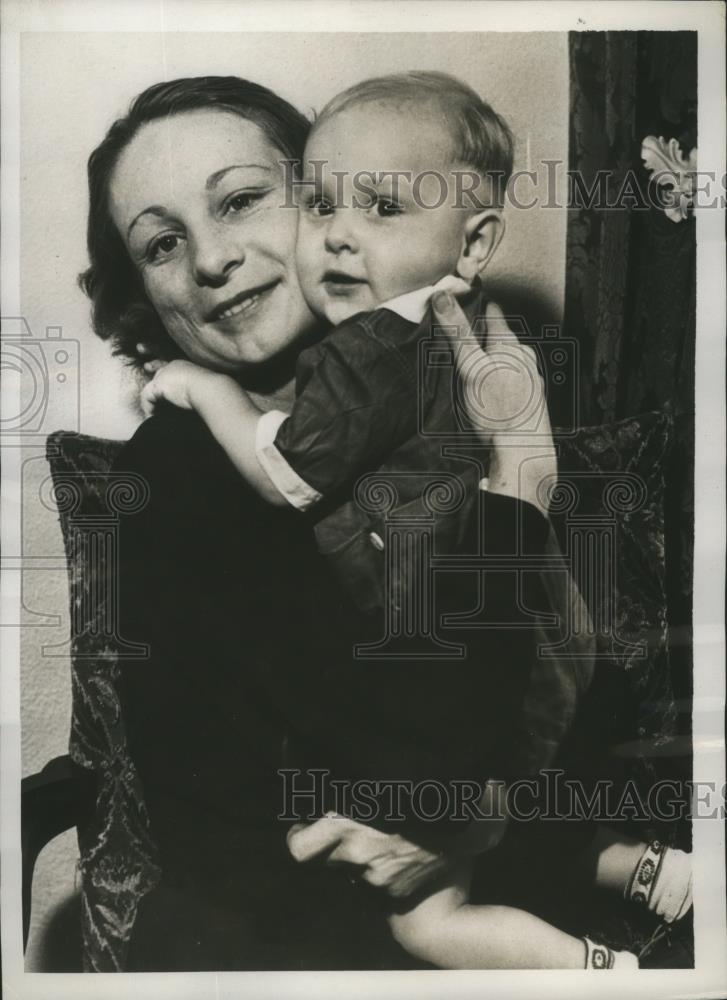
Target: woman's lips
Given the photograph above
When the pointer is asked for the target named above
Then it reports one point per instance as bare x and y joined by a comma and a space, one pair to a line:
242, 303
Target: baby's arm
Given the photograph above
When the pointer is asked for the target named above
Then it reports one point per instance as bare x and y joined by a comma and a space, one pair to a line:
356, 402
227, 410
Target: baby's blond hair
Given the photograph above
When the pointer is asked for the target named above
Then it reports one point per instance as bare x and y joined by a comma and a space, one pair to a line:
481, 138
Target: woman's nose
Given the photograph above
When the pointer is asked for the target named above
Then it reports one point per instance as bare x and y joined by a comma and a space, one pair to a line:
215, 255
340, 234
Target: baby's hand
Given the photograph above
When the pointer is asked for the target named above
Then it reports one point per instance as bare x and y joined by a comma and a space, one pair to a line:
152, 362
178, 382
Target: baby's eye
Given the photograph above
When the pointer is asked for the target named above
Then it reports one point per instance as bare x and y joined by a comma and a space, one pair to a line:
387, 208
163, 246
319, 205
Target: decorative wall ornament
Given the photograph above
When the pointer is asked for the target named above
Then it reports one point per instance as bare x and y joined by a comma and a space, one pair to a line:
673, 172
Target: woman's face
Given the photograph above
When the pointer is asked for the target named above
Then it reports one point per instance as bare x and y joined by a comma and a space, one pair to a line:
199, 200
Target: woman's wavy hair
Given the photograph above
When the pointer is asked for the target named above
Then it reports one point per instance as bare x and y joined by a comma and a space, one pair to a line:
121, 310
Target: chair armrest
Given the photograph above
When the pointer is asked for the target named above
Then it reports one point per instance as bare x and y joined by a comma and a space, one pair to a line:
60, 796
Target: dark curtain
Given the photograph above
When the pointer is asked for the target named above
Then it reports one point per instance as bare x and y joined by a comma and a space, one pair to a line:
631, 279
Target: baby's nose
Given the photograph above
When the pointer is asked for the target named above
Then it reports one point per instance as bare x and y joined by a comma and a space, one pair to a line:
341, 234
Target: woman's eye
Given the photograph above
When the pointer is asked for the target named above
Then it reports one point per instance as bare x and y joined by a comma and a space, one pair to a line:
163, 246
386, 209
242, 201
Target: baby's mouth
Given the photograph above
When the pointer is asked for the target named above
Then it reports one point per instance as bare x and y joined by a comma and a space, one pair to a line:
341, 283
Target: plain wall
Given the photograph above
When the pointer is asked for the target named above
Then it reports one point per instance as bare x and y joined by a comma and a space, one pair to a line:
73, 86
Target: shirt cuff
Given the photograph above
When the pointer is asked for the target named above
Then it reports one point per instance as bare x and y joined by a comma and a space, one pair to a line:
283, 476
517, 527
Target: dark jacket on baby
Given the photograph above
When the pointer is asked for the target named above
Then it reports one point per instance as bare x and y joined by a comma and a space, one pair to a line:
379, 446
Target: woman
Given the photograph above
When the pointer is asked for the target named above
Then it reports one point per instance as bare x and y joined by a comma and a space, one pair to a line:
191, 239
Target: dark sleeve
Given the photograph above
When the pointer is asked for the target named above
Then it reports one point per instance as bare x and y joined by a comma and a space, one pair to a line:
356, 402
156, 597
182, 592
563, 651
163, 546
513, 530
513, 527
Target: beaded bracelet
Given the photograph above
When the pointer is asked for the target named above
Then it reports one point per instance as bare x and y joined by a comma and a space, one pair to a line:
598, 956
645, 874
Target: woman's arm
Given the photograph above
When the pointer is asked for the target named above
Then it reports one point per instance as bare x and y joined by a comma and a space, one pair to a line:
505, 401
388, 860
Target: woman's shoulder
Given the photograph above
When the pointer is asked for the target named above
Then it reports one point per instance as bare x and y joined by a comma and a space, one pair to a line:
173, 446
186, 470
170, 431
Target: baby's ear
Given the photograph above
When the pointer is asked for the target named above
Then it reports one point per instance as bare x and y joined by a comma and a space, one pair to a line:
482, 236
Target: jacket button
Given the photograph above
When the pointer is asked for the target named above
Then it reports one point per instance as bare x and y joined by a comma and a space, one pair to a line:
377, 541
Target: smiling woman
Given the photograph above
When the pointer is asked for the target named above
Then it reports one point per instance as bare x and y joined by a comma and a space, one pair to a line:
215, 246
198, 198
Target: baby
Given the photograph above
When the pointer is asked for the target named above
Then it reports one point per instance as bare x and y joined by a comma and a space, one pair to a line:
386, 221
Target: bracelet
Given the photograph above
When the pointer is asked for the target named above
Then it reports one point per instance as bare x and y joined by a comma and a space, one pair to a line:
641, 883
598, 956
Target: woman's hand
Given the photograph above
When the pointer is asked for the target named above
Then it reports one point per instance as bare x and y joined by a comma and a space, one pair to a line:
385, 860
503, 396
390, 861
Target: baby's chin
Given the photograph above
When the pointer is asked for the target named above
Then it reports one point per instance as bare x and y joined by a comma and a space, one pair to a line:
338, 310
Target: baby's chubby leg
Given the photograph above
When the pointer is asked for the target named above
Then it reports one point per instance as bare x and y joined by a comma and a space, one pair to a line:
445, 930
423, 929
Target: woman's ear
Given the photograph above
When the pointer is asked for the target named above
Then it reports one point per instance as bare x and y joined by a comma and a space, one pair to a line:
482, 236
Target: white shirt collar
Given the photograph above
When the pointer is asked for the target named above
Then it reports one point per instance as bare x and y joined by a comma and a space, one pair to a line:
412, 306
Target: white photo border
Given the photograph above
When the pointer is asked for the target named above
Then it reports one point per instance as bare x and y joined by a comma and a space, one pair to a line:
709, 978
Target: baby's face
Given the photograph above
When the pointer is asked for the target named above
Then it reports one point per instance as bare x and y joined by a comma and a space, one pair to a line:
364, 237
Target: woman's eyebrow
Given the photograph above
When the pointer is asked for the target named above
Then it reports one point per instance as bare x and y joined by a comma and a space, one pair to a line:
158, 210
210, 183
217, 176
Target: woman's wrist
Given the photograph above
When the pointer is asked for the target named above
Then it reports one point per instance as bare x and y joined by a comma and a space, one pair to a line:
523, 470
